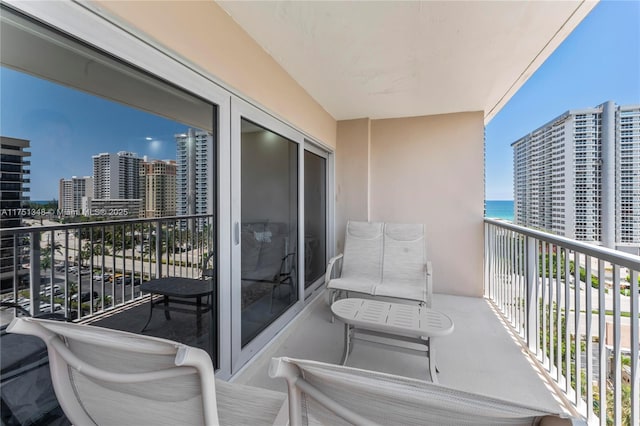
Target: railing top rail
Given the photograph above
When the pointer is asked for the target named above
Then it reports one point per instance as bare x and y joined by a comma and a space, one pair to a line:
609, 255
28, 229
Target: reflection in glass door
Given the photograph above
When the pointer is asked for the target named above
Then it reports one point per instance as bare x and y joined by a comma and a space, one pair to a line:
268, 232
315, 217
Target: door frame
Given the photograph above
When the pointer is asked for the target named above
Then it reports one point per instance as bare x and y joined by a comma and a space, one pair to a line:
317, 149
241, 109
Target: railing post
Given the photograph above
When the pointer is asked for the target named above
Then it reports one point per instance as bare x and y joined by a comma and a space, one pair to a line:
486, 260
34, 273
530, 302
158, 249
16, 265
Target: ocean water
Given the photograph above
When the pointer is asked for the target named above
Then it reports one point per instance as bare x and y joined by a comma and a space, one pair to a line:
499, 209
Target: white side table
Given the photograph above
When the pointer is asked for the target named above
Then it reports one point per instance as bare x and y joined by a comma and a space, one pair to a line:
397, 321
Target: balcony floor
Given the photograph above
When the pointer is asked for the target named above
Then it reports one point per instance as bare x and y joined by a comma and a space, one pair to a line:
480, 356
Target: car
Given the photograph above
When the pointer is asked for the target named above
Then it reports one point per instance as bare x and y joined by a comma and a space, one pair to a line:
127, 280
86, 296
46, 307
46, 290
21, 301
102, 277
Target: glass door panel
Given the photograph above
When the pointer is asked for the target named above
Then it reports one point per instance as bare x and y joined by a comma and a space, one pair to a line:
315, 217
268, 231
146, 151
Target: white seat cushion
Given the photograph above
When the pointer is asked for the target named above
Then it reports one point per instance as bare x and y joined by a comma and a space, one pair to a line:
353, 284
410, 290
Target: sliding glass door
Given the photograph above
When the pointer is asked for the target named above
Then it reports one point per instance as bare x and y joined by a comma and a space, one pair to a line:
266, 230
315, 216
268, 227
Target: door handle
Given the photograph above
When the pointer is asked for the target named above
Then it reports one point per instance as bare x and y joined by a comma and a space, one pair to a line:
236, 233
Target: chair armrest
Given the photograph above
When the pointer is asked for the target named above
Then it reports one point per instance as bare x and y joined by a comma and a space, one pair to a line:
429, 284
332, 262
363, 397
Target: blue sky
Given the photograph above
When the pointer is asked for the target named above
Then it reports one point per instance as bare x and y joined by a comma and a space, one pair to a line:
599, 61
66, 127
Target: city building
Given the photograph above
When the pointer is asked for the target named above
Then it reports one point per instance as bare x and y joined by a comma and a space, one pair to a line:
116, 185
72, 192
193, 167
158, 188
13, 189
116, 176
579, 176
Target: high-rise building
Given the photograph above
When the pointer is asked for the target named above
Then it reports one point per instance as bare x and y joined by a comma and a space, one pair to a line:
73, 192
116, 176
158, 188
116, 185
13, 190
579, 176
193, 170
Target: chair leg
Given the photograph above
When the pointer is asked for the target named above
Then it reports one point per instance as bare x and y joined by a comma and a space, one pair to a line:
347, 343
433, 369
150, 312
333, 300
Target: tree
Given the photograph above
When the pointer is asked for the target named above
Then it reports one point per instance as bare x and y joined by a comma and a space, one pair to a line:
85, 252
99, 248
45, 263
45, 255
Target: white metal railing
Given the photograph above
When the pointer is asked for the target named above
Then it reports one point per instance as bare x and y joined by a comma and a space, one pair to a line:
55, 268
576, 305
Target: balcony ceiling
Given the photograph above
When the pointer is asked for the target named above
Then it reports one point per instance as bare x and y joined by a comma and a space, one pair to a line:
398, 59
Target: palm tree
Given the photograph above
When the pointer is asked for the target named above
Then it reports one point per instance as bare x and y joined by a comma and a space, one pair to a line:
46, 255
86, 252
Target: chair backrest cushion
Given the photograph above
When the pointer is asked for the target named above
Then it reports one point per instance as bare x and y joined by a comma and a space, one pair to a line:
174, 401
363, 251
274, 247
405, 256
263, 245
250, 247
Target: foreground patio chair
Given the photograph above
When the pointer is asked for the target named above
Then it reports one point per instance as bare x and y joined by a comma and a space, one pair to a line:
108, 377
329, 394
26, 392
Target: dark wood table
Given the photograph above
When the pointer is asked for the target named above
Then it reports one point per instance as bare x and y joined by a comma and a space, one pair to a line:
179, 291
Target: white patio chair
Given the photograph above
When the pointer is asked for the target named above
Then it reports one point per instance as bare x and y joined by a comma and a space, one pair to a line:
386, 260
334, 395
406, 272
108, 377
361, 262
